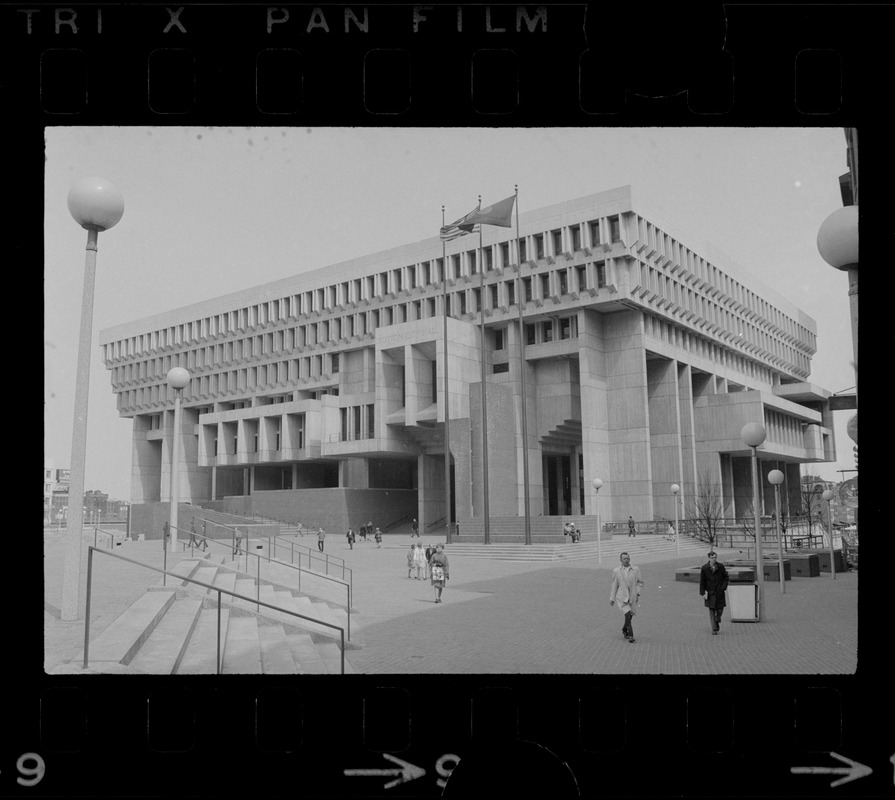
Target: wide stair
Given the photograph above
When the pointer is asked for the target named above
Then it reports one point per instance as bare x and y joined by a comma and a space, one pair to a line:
649, 544
172, 628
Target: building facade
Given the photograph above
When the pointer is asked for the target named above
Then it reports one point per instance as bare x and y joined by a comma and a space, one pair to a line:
323, 396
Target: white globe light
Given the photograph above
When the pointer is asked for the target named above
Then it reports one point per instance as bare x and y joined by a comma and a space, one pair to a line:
178, 378
837, 238
675, 488
776, 477
95, 204
597, 483
753, 434
827, 495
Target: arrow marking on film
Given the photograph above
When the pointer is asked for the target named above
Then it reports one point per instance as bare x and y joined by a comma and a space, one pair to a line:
408, 772
852, 772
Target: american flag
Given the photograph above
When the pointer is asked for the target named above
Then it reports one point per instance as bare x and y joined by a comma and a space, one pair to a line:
460, 227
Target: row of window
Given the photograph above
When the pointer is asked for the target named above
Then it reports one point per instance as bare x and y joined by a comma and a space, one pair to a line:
714, 311
666, 250
552, 243
541, 286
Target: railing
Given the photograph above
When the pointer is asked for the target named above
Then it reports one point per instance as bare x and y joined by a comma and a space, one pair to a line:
97, 531
339, 563
236, 550
218, 589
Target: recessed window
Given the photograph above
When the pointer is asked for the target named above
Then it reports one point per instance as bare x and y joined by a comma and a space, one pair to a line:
498, 368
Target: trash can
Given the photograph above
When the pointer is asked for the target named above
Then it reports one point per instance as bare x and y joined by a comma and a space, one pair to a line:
742, 599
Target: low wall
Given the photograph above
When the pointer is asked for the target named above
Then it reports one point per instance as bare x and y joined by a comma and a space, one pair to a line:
336, 509
509, 530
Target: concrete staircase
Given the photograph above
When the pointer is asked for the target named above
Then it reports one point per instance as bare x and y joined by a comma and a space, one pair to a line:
649, 544
173, 627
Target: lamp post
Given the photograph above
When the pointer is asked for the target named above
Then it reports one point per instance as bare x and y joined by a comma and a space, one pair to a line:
96, 205
776, 477
597, 484
178, 379
753, 435
828, 495
677, 545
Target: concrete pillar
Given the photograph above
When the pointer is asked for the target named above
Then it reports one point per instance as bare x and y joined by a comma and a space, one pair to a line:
594, 411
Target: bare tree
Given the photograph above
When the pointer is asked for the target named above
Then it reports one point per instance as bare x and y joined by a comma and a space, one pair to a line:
706, 510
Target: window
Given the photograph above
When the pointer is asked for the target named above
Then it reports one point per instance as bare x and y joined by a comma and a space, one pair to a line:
531, 336
557, 241
539, 245
335, 363
594, 229
499, 336
582, 278
504, 254
522, 251
547, 331
526, 288
470, 259
498, 368
614, 229
575, 232
511, 292
545, 285
567, 328
563, 281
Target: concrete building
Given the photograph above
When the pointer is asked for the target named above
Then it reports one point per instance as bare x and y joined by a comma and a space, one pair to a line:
322, 397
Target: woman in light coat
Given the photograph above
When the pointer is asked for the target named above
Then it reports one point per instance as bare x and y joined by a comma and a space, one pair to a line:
419, 561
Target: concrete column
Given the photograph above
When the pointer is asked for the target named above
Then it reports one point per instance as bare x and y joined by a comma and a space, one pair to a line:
665, 434
594, 411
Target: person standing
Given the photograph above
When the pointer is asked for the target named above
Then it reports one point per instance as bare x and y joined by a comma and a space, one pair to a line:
632, 529
350, 537
415, 528
411, 556
626, 585
321, 535
378, 537
419, 561
439, 570
713, 580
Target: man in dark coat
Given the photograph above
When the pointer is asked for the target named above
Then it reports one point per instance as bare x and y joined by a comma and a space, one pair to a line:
713, 582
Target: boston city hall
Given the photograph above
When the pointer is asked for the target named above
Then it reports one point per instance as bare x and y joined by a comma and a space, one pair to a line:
607, 346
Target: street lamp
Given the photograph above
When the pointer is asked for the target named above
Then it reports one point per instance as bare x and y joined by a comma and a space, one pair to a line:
828, 495
753, 435
674, 490
776, 477
96, 205
178, 379
597, 484
837, 243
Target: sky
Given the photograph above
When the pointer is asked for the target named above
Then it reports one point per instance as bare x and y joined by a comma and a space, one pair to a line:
214, 210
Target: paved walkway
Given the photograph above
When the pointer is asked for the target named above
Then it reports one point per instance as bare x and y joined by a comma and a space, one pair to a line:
533, 618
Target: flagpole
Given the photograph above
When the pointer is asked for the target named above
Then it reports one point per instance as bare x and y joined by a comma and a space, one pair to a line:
447, 405
520, 298
484, 394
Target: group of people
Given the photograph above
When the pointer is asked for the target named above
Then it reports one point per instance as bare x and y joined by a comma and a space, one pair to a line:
365, 531
569, 529
627, 583
432, 562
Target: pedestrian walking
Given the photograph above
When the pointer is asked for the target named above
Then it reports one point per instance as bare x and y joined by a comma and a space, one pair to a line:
415, 528
430, 551
300, 530
321, 535
350, 537
411, 560
378, 537
194, 542
237, 549
632, 528
439, 571
713, 580
626, 584
671, 533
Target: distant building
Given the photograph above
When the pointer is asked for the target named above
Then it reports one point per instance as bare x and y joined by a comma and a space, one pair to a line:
55, 494
322, 396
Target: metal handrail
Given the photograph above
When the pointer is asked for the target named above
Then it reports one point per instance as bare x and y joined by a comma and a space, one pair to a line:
218, 589
97, 531
349, 587
311, 556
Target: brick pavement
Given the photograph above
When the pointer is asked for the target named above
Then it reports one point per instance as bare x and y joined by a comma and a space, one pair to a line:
532, 618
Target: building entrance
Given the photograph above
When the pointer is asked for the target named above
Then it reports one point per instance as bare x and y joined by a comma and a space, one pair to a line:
557, 485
